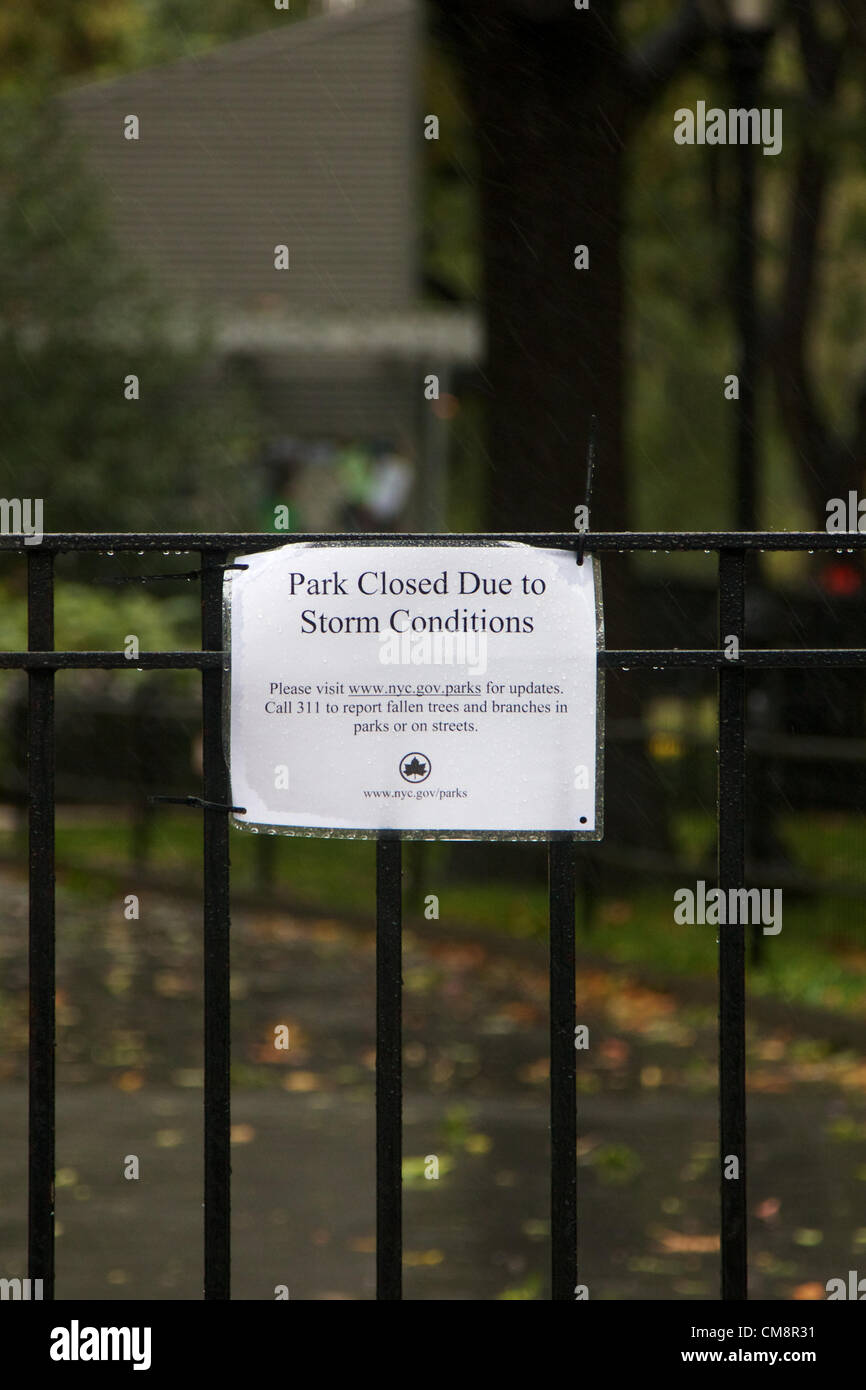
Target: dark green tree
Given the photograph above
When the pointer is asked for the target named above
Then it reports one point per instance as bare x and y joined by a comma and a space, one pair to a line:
77, 323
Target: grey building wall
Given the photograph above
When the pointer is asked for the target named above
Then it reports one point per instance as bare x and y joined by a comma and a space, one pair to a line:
305, 135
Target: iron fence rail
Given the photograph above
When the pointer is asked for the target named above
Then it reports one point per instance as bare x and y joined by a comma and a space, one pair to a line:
186, 542
41, 662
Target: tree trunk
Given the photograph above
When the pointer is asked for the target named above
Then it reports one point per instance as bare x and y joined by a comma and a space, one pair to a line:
549, 96
550, 116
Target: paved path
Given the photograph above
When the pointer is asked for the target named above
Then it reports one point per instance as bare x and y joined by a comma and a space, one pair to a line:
129, 1072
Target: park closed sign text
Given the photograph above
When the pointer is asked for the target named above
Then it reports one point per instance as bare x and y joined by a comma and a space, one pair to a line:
431, 690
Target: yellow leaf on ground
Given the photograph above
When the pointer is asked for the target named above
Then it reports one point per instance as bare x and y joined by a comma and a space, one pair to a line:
680, 1244
302, 1081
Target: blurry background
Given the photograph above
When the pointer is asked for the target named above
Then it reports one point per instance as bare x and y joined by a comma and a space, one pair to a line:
314, 269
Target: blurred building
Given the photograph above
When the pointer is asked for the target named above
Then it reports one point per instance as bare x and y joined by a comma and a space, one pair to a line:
306, 137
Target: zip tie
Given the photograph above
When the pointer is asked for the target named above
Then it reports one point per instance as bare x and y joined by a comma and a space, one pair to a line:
156, 578
196, 801
591, 450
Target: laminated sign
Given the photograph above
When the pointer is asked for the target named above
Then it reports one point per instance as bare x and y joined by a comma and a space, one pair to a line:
433, 690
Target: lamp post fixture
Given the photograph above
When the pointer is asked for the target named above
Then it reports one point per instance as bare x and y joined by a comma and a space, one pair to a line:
747, 27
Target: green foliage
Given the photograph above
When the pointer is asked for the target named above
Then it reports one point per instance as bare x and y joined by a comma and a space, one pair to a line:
681, 228
616, 1164
45, 41
681, 342
528, 1291
76, 321
176, 27
89, 617
76, 318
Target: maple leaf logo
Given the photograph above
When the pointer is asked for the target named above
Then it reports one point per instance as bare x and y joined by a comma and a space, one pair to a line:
415, 767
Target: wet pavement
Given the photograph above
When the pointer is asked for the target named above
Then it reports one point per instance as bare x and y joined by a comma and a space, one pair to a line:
476, 1096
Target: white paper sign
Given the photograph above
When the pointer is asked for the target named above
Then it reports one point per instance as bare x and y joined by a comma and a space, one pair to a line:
433, 690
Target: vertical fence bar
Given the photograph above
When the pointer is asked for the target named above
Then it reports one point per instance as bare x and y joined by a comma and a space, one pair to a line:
389, 1081
40, 774
217, 1034
563, 1070
732, 949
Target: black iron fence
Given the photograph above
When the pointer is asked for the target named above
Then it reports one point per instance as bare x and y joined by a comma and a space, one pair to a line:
216, 551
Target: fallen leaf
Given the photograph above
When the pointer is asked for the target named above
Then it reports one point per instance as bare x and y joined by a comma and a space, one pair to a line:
129, 1081
767, 1209
363, 1245
679, 1244
302, 1081
809, 1291
168, 1138
808, 1237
